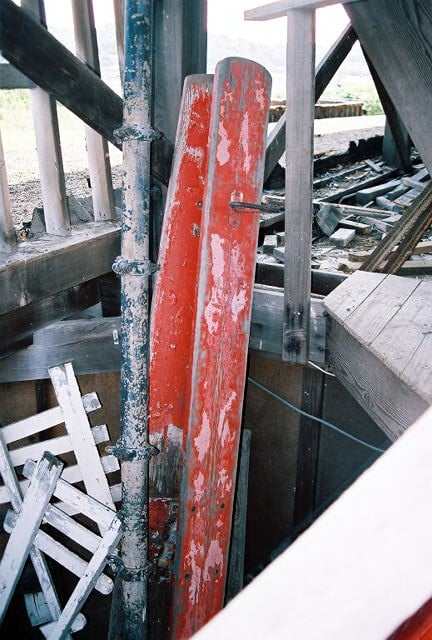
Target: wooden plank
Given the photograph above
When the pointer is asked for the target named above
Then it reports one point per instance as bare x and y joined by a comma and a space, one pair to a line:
373, 314
35, 52
383, 394
404, 334
323, 584
7, 230
46, 474
395, 35
280, 8
300, 107
19, 325
97, 147
343, 301
78, 427
324, 73
45, 267
118, 6
241, 97
417, 626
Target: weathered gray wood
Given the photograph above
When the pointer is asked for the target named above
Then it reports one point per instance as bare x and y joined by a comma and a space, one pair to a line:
235, 578
47, 266
396, 35
280, 8
300, 109
118, 6
44, 479
97, 147
11, 78
324, 73
342, 302
35, 52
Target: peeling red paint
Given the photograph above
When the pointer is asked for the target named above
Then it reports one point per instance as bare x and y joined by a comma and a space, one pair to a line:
226, 274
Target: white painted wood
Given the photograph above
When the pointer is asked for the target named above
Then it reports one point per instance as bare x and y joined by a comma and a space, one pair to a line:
87, 582
82, 502
14, 496
97, 147
58, 552
279, 9
360, 570
116, 493
7, 231
77, 424
57, 220
46, 473
44, 420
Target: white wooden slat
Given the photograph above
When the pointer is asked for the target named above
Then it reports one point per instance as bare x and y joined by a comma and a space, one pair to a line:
97, 147
77, 424
116, 493
7, 231
360, 570
46, 473
82, 502
14, 496
38, 614
45, 420
87, 582
58, 552
57, 446
280, 8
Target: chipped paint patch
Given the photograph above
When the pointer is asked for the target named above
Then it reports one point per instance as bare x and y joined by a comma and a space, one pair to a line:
244, 141
238, 303
199, 486
214, 560
222, 151
213, 308
193, 559
217, 256
224, 482
202, 441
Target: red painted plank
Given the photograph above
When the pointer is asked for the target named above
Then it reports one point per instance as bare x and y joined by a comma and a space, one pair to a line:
238, 129
418, 627
172, 329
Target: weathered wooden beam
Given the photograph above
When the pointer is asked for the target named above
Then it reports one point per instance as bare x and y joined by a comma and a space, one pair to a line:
300, 110
324, 73
7, 231
93, 344
42, 268
35, 52
281, 7
396, 35
355, 573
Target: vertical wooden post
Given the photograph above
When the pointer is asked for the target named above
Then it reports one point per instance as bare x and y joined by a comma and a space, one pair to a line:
44, 110
119, 31
300, 105
97, 147
7, 232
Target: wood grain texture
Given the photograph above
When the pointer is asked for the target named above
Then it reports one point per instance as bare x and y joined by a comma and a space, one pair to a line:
396, 34
282, 7
323, 584
300, 108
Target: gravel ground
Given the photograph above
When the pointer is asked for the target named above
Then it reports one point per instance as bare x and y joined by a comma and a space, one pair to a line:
25, 189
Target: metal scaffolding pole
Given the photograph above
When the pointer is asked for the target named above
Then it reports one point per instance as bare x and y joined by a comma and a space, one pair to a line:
130, 604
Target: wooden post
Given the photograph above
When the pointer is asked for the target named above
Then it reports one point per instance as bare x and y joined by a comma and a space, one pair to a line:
97, 147
44, 110
300, 111
7, 231
119, 30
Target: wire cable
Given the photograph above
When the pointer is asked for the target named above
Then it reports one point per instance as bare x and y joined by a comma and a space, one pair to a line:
311, 417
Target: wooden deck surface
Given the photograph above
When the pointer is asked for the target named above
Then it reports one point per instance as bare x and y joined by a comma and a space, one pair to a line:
386, 322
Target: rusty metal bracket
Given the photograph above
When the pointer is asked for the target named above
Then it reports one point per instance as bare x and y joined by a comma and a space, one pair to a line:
147, 133
258, 207
125, 267
120, 451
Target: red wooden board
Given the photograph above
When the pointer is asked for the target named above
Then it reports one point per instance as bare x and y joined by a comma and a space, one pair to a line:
418, 627
238, 130
172, 331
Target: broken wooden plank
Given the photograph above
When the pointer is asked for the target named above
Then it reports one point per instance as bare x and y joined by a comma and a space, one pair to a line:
359, 227
342, 237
